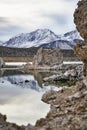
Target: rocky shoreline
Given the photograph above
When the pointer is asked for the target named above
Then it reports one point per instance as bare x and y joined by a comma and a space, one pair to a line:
65, 76
68, 111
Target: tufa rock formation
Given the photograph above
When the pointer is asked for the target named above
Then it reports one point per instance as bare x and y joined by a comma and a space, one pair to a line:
68, 109
80, 19
47, 57
81, 51
51, 57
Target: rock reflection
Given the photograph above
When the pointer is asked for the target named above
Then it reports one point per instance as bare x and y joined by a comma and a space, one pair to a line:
20, 97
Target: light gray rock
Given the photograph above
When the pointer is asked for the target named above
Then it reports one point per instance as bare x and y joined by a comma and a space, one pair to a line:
73, 74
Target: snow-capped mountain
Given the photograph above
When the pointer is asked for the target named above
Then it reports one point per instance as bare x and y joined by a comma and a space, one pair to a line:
70, 36
62, 44
33, 39
44, 38
67, 41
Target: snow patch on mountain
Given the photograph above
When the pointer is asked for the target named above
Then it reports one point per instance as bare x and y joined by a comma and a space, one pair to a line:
33, 39
44, 38
67, 41
70, 36
62, 44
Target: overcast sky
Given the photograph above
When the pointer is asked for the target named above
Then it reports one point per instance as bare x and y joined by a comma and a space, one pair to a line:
20, 16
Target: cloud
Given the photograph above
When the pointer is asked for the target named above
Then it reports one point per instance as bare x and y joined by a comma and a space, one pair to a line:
3, 20
57, 18
8, 28
18, 16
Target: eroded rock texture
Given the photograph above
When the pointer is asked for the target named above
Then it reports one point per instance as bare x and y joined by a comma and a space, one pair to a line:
51, 57
81, 50
80, 18
68, 109
48, 57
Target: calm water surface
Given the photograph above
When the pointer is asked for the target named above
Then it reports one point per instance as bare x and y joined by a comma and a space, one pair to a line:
20, 96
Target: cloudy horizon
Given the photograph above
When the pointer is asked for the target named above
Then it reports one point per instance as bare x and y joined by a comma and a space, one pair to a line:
24, 16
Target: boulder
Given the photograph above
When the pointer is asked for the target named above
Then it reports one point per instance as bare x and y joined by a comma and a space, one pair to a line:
47, 57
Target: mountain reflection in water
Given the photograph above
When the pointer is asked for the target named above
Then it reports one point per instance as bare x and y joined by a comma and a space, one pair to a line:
20, 96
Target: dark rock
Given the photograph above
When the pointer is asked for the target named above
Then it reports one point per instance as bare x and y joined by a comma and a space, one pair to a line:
27, 81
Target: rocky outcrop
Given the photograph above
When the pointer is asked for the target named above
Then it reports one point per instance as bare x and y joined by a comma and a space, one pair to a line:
68, 76
80, 18
68, 109
50, 57
81, 52
47, 57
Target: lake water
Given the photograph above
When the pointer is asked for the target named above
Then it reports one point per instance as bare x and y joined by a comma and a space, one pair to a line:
20, 96
17, 63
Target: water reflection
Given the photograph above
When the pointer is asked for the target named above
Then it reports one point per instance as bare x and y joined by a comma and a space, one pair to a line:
20, 96
38, 75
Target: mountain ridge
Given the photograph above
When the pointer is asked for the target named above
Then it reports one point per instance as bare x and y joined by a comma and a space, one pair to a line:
44, 38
